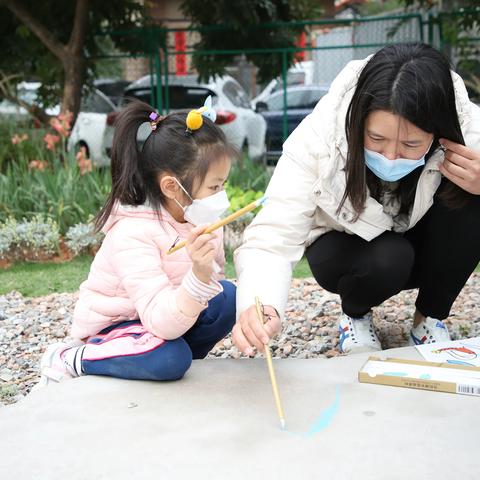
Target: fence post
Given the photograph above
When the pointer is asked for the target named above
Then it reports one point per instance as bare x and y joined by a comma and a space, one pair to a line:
284, 80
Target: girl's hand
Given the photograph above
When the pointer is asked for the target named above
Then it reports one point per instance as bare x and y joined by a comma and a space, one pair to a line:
248, 333
461, 166
201, 251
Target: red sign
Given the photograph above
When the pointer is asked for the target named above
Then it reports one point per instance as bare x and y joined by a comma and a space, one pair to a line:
300, 43
180, 58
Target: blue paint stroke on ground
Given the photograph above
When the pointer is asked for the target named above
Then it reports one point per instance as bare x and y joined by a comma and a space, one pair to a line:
326, 416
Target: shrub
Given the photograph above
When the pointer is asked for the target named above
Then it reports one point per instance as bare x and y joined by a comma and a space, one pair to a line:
35, 239
82, 238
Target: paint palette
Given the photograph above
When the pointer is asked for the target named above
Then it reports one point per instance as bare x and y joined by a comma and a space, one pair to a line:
437, 377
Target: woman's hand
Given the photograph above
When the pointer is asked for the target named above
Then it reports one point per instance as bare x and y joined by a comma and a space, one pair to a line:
249, 333
201, 250
461, 166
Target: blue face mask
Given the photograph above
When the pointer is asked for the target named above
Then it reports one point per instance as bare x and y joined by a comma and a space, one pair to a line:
391, 170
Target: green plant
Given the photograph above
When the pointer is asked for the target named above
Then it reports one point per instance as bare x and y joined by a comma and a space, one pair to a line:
249, 175
53, 183
7, 237
82, 238
32, 239
240, 198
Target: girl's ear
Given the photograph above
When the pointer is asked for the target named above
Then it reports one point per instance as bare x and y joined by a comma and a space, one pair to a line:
168, 186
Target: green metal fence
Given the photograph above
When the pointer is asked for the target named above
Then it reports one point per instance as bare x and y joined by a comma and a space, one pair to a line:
346, 39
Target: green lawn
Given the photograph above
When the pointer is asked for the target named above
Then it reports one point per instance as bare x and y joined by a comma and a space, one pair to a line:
38, 279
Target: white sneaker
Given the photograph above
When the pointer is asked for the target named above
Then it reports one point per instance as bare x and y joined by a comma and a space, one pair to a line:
357, 335
53, 366
430, 330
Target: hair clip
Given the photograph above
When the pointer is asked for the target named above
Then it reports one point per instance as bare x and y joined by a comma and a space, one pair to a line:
195, 117
155, 119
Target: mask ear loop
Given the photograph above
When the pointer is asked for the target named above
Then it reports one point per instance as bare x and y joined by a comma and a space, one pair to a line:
188, 195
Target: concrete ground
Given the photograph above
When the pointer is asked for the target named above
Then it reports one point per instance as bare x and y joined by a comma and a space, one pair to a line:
220, 422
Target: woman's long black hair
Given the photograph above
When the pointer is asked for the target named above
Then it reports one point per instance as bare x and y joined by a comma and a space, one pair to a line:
413, 81
169, 148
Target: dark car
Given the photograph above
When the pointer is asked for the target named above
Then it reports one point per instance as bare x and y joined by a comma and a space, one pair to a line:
301, 101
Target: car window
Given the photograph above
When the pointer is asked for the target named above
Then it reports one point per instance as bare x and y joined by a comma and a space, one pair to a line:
236, 94
293, 78
180, 97
94, 103
140, 94
294, 100
307, 98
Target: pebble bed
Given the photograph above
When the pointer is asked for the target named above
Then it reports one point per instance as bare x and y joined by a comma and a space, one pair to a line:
28, 325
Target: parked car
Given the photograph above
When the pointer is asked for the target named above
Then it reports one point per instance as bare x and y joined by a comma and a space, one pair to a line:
301, 101
91, 129
244, 128
300, 73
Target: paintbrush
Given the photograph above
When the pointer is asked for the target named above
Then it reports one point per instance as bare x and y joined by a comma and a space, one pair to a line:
273, 379
224, 221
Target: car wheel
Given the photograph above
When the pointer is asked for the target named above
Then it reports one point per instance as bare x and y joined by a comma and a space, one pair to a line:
80, 146
244, 151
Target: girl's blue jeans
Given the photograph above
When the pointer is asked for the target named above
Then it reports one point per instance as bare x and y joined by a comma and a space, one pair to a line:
127, 350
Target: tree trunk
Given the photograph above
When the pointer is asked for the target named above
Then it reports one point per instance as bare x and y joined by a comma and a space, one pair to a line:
74, 67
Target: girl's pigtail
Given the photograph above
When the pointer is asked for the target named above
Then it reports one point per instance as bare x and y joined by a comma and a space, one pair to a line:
128, 185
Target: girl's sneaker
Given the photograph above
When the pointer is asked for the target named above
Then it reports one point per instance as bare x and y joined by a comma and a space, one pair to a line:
357, 335
430, 330
61, 361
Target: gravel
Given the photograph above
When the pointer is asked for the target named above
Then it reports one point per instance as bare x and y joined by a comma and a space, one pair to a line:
28, 325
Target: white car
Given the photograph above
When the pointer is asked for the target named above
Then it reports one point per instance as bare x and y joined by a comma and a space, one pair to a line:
244, 128
92, 129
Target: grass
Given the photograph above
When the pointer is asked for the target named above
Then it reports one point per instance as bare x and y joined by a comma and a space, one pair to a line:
39, 279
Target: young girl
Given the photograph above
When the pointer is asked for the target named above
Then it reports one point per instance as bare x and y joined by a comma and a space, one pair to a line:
142, 313
359, 191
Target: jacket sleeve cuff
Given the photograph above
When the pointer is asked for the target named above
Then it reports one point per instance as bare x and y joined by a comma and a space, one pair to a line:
199, 291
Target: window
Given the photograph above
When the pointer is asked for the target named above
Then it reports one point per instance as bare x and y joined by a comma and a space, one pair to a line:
95, 103
180, 97
302, 99
184, 98
236, 94
293, 78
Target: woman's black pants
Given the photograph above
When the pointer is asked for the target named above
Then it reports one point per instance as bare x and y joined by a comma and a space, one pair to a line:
437, 256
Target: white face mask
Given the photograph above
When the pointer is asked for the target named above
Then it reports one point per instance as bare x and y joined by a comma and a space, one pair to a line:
205, 210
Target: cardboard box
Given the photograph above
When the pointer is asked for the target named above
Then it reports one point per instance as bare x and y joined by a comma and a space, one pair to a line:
436, 377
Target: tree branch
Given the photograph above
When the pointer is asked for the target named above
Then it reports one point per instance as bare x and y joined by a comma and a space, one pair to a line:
79, 29
8, 92
22, 13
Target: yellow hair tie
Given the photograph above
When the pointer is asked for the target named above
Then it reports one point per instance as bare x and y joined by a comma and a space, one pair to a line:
195, 117
194, 120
